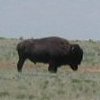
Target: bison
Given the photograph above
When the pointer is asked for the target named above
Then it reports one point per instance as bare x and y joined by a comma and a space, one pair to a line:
55, 51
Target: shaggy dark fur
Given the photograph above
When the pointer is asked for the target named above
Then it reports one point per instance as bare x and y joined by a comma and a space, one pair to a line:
52, 50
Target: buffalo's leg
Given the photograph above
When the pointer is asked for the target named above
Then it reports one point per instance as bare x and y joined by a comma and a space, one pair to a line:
20, 64
52, 67
74, 67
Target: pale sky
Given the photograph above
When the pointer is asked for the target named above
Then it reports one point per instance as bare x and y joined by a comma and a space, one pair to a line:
71, 19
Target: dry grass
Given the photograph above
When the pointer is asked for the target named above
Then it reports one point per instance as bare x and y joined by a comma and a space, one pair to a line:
36, 83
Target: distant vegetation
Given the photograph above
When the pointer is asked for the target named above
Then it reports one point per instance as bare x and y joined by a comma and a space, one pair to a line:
2, 38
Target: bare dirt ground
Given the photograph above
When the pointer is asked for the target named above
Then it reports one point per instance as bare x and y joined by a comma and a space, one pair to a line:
96, 69
83, 69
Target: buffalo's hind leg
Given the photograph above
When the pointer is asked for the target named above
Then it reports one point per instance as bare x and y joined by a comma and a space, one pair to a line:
20, 64
52, 67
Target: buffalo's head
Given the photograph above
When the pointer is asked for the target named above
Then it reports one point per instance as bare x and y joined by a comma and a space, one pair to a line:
76, 54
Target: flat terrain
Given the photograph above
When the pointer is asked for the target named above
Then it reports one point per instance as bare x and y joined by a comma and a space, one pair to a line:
36, 83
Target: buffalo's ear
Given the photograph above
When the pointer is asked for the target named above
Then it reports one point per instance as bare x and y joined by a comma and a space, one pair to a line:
73, 49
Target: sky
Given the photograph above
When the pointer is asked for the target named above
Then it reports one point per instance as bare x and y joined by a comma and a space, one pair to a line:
71, 19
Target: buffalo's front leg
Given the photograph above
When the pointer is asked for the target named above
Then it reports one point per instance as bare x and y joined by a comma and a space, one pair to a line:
74, 67
20, 64
52, 67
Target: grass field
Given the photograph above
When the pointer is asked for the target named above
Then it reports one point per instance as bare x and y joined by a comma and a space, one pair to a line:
36, 83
